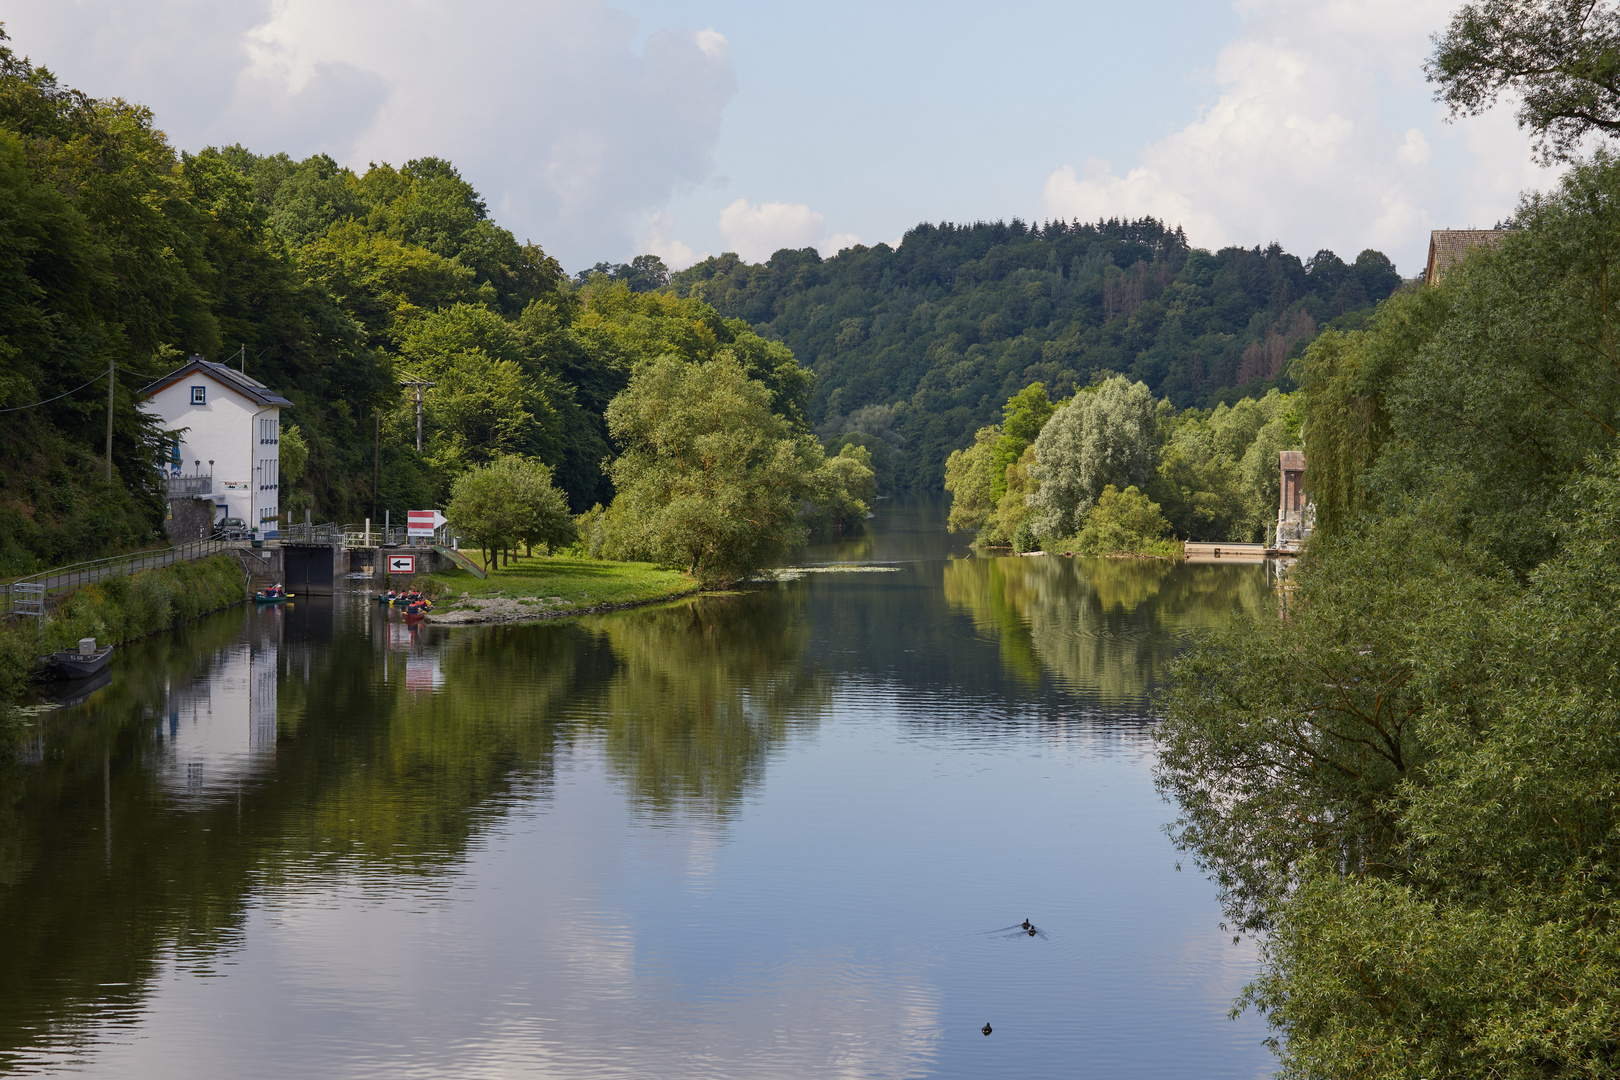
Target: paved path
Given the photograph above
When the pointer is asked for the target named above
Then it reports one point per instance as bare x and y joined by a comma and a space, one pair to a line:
68, 578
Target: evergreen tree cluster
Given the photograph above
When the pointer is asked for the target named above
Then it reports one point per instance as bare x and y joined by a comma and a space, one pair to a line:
958, 318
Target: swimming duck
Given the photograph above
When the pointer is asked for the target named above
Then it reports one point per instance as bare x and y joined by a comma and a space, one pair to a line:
1026, 924
1032, 931
986, 1029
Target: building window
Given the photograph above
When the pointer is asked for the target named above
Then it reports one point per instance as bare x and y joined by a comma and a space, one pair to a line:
199, 395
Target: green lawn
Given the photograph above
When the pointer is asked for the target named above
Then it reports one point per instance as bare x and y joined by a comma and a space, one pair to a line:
578, 582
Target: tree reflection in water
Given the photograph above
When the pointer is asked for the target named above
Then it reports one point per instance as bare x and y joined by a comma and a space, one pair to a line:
392, 749
1099, 626
705, 691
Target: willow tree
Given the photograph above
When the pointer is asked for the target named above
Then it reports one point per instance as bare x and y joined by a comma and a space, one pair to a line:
711, 479
1106, 435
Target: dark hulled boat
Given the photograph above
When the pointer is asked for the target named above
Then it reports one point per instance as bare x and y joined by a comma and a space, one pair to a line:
76, 664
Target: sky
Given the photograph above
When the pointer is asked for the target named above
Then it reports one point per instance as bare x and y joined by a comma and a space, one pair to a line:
686, 128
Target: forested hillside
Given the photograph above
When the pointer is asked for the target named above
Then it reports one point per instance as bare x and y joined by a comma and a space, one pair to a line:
919, 346
329, 286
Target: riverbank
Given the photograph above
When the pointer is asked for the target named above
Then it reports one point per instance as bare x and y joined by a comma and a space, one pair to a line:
552, 587
120, 609
1166, 550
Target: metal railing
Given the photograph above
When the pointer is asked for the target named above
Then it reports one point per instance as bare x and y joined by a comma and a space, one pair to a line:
17, 596
181, 486
304, 533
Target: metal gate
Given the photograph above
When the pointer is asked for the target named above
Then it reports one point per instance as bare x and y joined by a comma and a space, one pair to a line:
308, 570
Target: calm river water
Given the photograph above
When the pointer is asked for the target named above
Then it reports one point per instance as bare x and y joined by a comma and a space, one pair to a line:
786, 833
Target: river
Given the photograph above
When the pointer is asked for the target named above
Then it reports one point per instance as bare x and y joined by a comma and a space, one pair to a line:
790, 832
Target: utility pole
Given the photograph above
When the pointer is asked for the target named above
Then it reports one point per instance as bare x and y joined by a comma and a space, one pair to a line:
112, 378
418, 385
376, 460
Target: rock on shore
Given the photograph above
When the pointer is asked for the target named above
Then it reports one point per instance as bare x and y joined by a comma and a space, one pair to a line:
496, 609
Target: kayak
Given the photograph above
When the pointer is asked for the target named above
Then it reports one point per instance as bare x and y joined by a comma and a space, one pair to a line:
262, 597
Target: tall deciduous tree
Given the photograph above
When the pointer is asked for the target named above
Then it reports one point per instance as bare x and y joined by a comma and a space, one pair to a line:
1561, 58
510, 501
711, 479
969, 478
1409, 784
1106, 435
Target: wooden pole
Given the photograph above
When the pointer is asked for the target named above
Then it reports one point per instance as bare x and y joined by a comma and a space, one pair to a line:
112, 378
376, 461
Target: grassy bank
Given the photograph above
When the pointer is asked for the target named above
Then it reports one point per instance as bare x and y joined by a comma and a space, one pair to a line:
549, 585
120, 609
1133, 547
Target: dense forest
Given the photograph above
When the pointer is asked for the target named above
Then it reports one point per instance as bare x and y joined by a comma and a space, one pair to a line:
333, 286
327, 285
1406, 787
919, 346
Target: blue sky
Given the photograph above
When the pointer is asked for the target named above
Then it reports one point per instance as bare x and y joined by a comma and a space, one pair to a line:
691, 127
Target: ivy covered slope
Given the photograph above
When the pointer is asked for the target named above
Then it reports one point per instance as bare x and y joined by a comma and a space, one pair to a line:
938, 333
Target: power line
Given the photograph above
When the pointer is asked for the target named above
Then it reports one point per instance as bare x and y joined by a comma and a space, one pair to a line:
58, 397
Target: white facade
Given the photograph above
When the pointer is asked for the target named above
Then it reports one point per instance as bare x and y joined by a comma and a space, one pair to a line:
229, 429
219, 729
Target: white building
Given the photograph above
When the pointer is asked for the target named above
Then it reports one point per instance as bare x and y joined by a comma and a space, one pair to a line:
228, 439
219, 728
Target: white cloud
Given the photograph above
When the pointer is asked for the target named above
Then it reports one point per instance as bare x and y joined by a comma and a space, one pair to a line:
572, 133
658, 238
838, 242
1310, 141
758, 232
1414, 152
1140, 193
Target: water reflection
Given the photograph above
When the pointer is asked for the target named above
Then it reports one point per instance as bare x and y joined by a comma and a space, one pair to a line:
748, 835
704, 692
1104, 627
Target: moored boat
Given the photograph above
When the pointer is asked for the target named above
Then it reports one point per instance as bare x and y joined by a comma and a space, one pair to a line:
82, 663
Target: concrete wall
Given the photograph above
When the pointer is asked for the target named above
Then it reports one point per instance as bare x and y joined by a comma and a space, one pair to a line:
189, 519
226, 431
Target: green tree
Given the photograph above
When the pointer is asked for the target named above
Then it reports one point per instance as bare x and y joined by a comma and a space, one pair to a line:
710, 477
1107, 435
507, 502
1217, 477
845, 489
1025, 413
385, 283
1556, 57
1407, 784
547, 520
1123, 522
970, 478
294, 459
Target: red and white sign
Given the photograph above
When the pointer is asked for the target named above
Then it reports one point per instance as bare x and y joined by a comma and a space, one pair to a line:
402, 564
423, 522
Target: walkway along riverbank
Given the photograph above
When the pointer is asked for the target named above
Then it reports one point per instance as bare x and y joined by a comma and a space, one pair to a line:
118, 609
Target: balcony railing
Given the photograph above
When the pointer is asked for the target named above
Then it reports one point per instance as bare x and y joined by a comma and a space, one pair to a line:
180, 487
